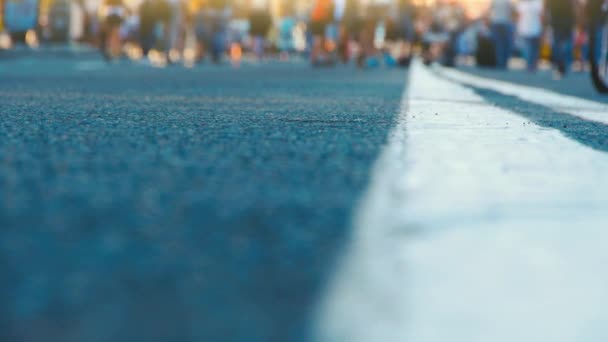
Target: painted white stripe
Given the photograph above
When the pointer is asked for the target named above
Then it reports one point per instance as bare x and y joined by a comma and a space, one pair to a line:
366, 302
586, 109
485, 229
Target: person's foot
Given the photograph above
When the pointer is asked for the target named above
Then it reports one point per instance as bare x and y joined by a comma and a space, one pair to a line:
404, 62
360, 61
389, 61
372, 62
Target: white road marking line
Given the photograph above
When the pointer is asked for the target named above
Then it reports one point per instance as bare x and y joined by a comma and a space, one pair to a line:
485, 230
363, 303
586, 109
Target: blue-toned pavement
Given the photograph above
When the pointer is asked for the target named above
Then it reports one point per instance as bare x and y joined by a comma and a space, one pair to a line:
205, 204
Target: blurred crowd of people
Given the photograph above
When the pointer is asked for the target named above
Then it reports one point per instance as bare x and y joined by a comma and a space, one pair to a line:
555, 28
368, 33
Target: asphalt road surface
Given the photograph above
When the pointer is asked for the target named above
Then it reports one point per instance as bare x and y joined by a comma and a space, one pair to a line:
277, 202
176, 204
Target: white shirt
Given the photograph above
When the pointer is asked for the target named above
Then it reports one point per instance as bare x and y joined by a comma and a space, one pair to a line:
500, 11
259, 4
530, 12
339, 7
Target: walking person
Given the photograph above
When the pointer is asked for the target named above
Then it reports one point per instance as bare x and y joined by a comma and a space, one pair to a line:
321, 16
529, 28
176, 30
334, 30
218, 15
562, 15
405, 26
200, 27
501, 26
112, 14
154, 18
350, 26
452, 17
375, 13
260, 22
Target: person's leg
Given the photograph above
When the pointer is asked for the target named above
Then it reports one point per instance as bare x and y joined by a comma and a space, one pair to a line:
343, 44
584, 54
534, 52
367, 41
509, 32
115, 41
218, 45
567, 51
317, 52
143, 43
563, 50
597, 47
451, 50
499, 44
317, 49
556, 51
103, 40
218, 38
527, 52
258, 47
199, 33
172, 28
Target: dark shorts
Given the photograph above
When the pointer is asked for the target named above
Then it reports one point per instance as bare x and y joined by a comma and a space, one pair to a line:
260, 23
317, 28
352, 25
114, 20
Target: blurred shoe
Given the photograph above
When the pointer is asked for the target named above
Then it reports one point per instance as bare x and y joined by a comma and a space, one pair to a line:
389, 61
372, 62
404, 62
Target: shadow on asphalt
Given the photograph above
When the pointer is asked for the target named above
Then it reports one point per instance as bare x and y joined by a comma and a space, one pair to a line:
589, 133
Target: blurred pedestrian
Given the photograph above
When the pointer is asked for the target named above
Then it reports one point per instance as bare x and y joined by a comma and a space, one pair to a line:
154, 18
320, 18
20, 17
581, 46
529, 28
200, 27
562, 14
260, 22
287, 26
406, 12
451, 15
435, 36
501, 26
375, 12
210, 20
581, 35
485, 53
334, 30
350, 27
176, 34
218, 14
112, 14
